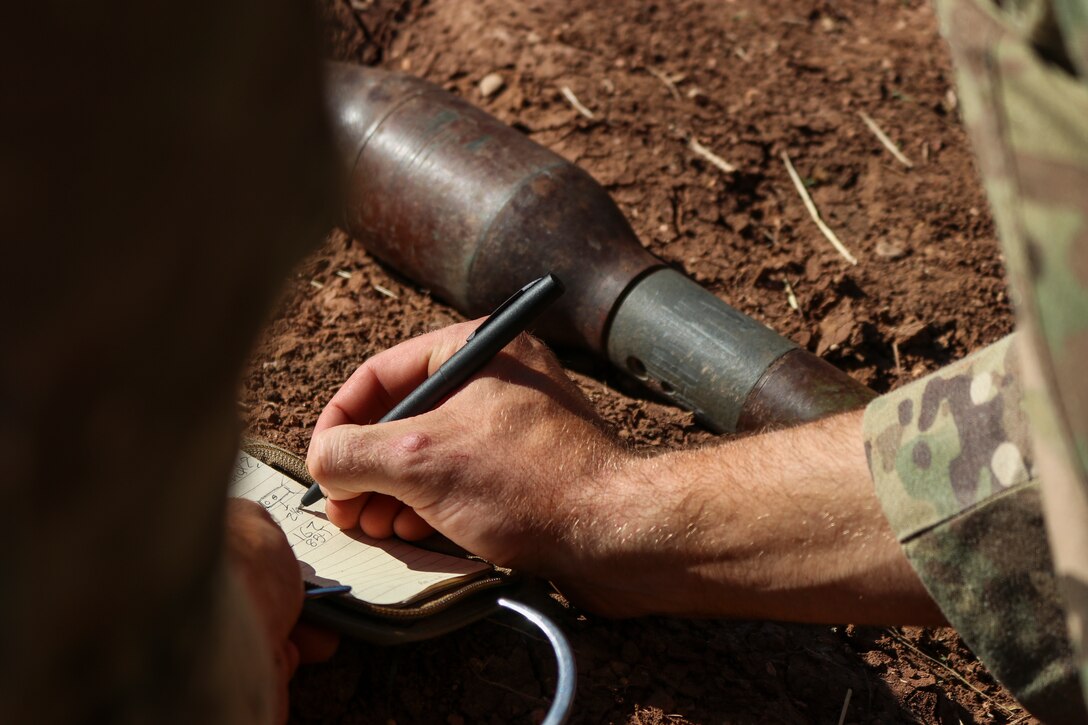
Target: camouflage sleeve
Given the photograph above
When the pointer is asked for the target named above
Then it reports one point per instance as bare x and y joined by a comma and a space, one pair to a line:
952, 463
1022, 73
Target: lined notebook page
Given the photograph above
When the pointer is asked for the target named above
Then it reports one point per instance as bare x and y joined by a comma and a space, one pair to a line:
389, 572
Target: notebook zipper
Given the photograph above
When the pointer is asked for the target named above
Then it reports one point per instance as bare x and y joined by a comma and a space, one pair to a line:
433, 606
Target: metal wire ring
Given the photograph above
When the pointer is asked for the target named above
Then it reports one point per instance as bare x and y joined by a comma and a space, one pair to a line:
563, 701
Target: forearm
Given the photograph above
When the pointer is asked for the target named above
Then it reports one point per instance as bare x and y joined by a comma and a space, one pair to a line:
783, 525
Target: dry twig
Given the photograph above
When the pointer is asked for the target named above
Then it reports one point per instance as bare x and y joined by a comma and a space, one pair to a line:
903, 641
824, 229
710, 156
883, 138
791, 297
845, 705
573, 100
1022, 718
387, 292
664, 78
511, 690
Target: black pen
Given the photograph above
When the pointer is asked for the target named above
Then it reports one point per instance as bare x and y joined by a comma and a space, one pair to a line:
504, 324
322, 592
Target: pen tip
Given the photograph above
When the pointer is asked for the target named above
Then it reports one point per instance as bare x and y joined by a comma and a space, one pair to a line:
311, 496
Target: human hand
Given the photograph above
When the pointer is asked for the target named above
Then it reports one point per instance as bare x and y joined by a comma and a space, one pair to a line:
260, 556
511, 467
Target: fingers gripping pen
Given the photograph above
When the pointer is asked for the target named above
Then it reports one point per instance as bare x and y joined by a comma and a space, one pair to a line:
509, 320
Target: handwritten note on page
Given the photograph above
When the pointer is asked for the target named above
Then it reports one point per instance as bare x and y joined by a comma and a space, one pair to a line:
389, 572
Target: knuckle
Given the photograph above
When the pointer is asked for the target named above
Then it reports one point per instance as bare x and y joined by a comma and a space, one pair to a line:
520, 343
408, 452
525, 346
411, 443
315, 457
329, 456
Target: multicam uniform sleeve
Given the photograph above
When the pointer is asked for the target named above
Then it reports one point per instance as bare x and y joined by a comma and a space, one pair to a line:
952, 462
971, 489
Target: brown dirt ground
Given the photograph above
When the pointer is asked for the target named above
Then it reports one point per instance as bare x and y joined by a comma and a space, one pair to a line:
748, 79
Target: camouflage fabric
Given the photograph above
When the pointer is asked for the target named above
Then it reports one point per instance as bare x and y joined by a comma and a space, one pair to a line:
954, 467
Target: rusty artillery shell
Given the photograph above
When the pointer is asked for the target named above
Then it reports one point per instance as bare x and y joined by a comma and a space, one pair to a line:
471, 208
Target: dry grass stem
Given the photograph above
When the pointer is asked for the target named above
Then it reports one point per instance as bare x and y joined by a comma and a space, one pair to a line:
815, 214
710, 156
511, 690
883, 138
316, 285
387, 292
664, 78
903, 641
845, 705
343, 274
898, 361
573, 100
791, 297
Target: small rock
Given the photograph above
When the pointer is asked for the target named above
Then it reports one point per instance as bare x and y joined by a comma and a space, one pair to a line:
951, 102
491, 84
697, 95
910, 332
890, 250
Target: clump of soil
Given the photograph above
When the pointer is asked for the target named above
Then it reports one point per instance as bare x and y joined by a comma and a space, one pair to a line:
749, 81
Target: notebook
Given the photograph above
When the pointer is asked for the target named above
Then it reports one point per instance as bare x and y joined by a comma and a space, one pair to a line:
385, 573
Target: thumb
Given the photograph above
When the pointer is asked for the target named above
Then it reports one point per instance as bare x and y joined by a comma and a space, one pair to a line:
398, 459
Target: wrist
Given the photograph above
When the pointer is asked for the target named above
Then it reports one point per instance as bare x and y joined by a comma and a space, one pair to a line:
635, 543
